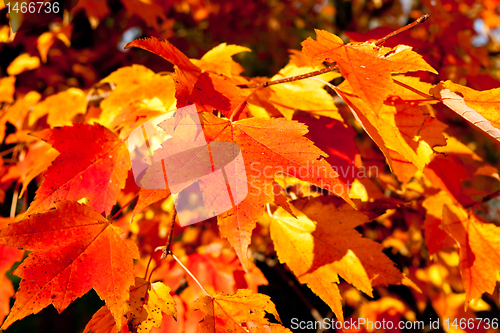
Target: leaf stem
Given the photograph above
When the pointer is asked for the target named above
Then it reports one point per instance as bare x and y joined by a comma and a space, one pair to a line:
147, 267
151, 274
378, 42
124, 206
13, 205
8, 151
413, 89
166, 249
191, 275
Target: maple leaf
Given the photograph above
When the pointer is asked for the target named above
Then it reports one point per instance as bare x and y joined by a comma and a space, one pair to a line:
146, 304
39, 157
103, 322
148, 197
170, 53
322, 243
436, 237
61, 107
337, 140
95, 10
186, 73
213, 93
447, 173
480, 108
73, 248
366, 67
454, 305
23, 63
221, 271
93, 163
268, 146
16, 113
219, 60
400, 125
7, 88
138, 96
208, 91
479, 249
8, 256
129, 75
241, 312
6, 292
46, 40
149, 11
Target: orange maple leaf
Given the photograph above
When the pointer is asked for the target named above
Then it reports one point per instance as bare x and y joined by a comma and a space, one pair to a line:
7, 88
322, 243
93, 164
147, 303
170, 53
73, 248
8, 256
219, 60
148, 197
61, 107
208, 91
241, 312
366, 67
400, 125
103, 322
268, 146
436, 237
480, 108
479, 249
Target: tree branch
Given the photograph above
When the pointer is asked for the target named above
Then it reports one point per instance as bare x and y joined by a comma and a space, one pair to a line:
378, 42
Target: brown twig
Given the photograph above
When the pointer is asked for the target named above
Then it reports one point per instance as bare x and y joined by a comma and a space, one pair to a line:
292, 78
483, 200
334, 67
421, 19
168, 248
168, 251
